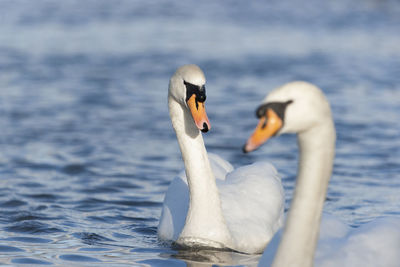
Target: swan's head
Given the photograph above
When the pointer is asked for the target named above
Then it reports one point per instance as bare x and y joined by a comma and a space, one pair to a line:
187, 87
293, 108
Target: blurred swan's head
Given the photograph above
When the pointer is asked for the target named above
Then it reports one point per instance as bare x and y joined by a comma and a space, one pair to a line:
293, 108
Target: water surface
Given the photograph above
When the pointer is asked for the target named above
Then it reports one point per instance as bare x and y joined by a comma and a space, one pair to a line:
86, 145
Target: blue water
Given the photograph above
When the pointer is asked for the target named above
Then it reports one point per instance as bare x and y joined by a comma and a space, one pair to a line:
86, 145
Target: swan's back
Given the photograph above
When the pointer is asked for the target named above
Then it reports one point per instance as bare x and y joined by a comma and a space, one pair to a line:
376, 243
253, 202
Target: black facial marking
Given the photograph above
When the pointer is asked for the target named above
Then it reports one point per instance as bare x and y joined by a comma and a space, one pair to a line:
278, 107
199, 91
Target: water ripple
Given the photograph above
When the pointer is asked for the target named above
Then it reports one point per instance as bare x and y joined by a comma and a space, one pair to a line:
87, 148
74, 169
30, 261
78, 258
28, 239
92, 238
13, 203
32, 227
10, 249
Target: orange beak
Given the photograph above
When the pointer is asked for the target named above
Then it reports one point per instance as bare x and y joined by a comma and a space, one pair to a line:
199, 114
264, 130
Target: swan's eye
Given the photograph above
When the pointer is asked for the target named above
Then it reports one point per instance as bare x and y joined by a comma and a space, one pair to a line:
261, 110
199, 91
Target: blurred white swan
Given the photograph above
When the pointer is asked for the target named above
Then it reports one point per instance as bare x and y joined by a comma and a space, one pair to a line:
210, 204
301, 108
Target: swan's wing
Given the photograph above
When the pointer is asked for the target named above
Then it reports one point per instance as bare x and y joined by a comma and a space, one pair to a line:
219, 166
373, 244
174, 210
252, 202
176, 201
376, 243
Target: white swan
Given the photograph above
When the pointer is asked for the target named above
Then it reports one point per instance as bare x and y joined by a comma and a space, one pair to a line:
301, 108
241, 210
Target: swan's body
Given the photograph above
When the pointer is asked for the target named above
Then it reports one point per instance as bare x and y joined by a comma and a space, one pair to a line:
300, 108
372, 244
241, 210
250, 229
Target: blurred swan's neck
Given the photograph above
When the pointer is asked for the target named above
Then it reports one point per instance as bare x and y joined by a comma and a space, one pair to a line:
205, 224
300, 236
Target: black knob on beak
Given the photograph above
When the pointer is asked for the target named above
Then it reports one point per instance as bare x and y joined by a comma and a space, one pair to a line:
205, 128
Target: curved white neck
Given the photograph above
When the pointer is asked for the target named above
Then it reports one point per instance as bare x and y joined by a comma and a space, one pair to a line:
300, 236
205, 223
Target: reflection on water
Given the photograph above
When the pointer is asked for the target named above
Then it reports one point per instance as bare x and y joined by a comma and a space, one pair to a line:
87, 147
209, 257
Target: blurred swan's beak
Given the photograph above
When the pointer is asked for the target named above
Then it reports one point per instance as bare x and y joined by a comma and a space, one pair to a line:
268, 126
199, 114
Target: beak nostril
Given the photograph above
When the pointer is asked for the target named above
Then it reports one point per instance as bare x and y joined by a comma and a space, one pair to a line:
205, 128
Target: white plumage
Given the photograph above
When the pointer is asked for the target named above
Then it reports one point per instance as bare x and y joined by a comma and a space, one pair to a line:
372, 244
377, 243
210, 204
252, 203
